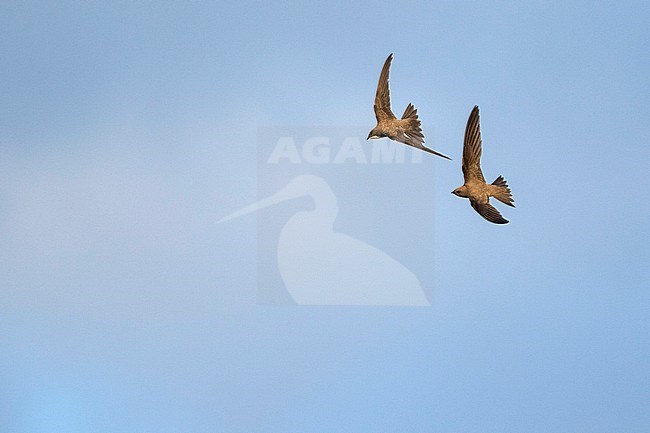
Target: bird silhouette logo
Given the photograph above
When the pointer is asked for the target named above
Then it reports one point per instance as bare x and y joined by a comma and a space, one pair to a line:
320, 266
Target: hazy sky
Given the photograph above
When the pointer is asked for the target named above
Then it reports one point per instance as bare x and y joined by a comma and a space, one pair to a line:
127, 131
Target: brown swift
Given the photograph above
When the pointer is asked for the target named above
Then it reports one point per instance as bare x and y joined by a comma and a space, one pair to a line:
406, 130
475, 187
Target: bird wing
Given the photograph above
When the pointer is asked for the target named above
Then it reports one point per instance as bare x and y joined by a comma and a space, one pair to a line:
382, 98
489, 212
472, 148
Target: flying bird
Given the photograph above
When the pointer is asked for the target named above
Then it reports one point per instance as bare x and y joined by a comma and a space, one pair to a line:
475, 188
406, 130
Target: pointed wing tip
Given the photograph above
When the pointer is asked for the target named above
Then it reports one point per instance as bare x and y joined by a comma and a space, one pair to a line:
489, 212
431, 151
442, 155
475, 114
496, 220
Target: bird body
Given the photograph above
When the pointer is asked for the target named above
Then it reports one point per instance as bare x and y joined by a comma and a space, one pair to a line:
408, 129
475, 188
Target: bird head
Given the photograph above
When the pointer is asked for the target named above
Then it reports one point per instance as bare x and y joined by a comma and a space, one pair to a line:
461, 191
373, 134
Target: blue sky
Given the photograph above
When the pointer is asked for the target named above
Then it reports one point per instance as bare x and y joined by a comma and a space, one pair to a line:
127, 130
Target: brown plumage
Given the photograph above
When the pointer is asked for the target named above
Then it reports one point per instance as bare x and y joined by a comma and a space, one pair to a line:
406, 130
475, 188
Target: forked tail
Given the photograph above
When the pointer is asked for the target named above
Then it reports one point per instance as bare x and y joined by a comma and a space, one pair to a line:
414, 132
502, 192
